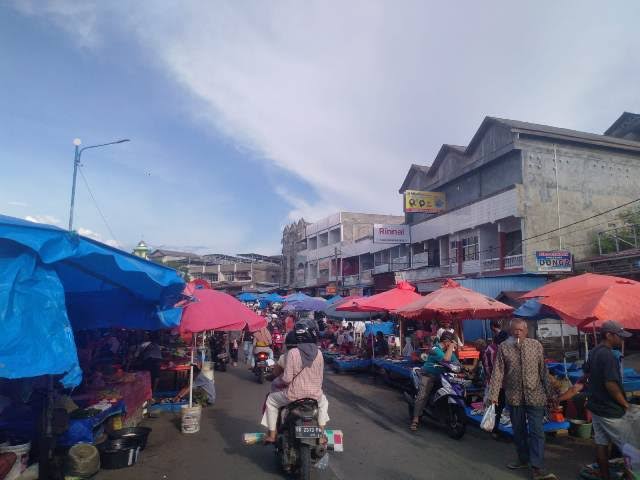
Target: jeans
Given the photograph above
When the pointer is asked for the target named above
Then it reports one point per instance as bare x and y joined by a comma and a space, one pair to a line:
499, 409
529, 442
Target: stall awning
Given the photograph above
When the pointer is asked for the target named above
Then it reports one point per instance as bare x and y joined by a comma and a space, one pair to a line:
44, 269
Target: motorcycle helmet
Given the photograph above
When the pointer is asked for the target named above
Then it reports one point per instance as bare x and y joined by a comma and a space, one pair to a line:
306, 331
291, 340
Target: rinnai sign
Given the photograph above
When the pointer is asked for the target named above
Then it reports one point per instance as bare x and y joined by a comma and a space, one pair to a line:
391, 234
554, 261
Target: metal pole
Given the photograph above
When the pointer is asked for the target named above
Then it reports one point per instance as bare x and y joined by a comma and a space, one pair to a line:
76, 163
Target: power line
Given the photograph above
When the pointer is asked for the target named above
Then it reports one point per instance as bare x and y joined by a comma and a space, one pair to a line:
95, 202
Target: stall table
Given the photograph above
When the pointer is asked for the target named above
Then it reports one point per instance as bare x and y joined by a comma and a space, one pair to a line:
342, 364
548, 427
88, 430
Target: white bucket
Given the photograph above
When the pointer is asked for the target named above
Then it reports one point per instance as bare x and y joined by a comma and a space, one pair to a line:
191, 418
207, 370
22, 460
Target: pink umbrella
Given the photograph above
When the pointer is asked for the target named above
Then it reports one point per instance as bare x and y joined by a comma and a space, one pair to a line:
214, 310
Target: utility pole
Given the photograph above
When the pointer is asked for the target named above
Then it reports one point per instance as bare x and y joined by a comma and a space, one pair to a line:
76, 163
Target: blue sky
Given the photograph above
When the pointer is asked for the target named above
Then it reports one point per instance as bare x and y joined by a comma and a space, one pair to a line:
245, 115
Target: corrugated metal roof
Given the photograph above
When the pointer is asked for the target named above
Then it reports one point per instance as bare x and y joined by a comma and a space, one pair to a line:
493, 286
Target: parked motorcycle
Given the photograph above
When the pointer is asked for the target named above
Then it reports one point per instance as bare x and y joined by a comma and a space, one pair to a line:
446, 403
300, 443
263, 366
219, 353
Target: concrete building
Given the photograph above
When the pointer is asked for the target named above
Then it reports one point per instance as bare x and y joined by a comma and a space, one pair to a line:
225, 272
337, 253
293, 241
516, 189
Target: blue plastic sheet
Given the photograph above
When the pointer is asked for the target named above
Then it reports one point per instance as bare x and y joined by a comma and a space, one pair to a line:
36, 333
247, 297
387, 328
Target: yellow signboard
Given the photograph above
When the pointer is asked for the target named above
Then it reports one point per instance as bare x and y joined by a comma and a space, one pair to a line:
424, 202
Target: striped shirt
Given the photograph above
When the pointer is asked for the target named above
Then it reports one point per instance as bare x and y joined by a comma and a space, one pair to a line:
303, 382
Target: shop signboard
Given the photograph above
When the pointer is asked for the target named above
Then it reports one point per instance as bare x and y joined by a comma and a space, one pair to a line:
416, 201
391, 234
554, 261
332, 289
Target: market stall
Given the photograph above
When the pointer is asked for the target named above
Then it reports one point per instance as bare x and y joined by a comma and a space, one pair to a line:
57, 283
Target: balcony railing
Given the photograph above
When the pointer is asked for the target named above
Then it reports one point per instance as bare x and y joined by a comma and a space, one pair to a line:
381, 268
513, 261
351, 280
399, 263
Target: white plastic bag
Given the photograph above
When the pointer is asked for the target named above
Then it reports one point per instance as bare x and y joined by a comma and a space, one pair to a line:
489, 419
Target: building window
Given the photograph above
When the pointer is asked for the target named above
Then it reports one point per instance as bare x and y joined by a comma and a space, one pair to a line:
470, 250
513, 243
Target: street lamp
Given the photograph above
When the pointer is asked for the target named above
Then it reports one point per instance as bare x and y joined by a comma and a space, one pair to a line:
76, 163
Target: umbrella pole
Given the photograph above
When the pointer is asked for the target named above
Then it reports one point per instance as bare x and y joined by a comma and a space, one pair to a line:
564, 353
401, 333
193, 346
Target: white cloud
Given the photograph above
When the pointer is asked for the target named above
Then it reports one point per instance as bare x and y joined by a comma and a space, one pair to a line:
86, 232
15, 203
48, 219
347, 95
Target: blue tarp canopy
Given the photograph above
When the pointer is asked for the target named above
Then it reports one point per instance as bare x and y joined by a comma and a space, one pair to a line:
334, 299
387, 328
247, 297
52, 279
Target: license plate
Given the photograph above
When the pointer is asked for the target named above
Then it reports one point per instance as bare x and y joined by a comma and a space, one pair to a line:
308, 432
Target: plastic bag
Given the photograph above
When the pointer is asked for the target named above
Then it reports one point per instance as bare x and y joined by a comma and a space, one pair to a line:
323, 463
489, 419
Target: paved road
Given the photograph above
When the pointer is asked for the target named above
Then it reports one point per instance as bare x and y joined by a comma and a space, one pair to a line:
378, 445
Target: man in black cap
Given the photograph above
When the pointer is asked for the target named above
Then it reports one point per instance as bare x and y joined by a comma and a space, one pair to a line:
607, 400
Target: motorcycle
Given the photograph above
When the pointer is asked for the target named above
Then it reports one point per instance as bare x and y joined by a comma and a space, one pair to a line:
446, 402
221, 361
263, 366
219, 354
299, 443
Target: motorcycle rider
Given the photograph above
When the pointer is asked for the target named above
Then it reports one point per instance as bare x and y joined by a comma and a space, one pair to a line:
431, 370
261, 343
303, 376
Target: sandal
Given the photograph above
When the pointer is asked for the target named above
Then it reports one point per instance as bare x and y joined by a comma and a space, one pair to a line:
414, 426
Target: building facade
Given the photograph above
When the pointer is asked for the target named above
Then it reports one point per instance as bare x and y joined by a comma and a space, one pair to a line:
337, 254
518, 188
225, 272
293, 237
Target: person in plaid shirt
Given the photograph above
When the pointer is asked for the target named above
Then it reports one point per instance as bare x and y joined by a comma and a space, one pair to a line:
521, 370
303, 376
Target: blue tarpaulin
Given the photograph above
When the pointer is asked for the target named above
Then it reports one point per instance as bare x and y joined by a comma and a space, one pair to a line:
247, 297
334, 299
51, 279
387, 328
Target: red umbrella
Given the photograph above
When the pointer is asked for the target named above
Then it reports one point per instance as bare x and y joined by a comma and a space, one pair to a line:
403, 294
592, 299
214, 310
455, 302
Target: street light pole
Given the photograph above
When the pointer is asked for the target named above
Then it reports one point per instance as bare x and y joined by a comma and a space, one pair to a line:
76, 163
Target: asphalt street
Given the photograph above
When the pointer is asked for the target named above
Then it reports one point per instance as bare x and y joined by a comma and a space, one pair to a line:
378, 444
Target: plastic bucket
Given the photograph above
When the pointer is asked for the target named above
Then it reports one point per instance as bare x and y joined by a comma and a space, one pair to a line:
191, 418
580, 428
139, 434
22, 460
